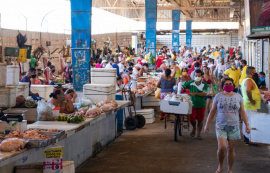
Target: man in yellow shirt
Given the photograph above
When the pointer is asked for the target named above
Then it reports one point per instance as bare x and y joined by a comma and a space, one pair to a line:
233, 73
216, 53
251, 97
243, 63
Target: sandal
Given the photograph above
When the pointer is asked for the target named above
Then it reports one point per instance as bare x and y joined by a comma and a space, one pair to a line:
199, 137
192, 134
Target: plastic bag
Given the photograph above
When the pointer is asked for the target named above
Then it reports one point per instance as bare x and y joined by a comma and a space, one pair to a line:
179, 87
209, 90
30, 102
157, 93
45, 111
85, 102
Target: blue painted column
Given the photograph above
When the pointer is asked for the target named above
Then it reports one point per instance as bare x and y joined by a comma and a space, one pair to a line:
151, 20
175, 29
188, 33
81, 11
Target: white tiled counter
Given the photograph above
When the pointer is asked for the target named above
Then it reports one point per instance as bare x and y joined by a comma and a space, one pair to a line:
80, 141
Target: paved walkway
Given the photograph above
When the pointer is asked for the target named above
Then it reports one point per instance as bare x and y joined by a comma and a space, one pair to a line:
152, 149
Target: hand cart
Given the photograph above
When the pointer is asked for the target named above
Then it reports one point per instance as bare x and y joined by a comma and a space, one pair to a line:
138, 121
181, 110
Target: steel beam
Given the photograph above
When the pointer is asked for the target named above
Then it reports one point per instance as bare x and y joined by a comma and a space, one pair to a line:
170, 8
81, 11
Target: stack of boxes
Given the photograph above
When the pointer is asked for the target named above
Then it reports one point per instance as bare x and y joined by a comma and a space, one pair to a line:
102, 87
8, 85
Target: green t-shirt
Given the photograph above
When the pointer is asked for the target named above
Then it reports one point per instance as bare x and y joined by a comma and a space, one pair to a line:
198, 101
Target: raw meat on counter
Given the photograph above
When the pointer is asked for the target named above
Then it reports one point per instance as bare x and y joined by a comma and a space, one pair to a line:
45, 130
27, 134
92, 112
8, 145
84, 110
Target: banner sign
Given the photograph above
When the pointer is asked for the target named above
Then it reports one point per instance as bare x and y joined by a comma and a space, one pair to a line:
151, 20
175, 29
259, 15
188, 33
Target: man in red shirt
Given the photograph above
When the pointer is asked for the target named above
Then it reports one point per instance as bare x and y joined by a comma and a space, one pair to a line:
160, 58
197, 60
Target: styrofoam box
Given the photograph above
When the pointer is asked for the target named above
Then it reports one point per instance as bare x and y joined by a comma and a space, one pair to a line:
43, 90
8, 96
68, 167
3, 74
149, 115
149, 120
103, 76
99, 92
23, 89
150, 101
176, 107
13, 75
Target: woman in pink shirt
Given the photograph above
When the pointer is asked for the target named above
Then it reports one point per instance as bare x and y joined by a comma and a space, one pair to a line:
99, 65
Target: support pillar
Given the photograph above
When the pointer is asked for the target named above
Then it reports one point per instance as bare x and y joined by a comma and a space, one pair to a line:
175, 29
188, 33
81, 11
151, 20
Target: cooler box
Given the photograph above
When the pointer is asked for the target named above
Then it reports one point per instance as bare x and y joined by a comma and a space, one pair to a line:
23, 89
43, 90
150, 100
103, 76
99, 92
13, 75
149, 115
3, 74
176, 107
8, 96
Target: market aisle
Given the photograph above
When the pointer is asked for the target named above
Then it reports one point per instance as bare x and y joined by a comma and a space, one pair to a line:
152, 149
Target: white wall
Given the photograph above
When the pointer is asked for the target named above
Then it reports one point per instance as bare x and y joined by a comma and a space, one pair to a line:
200, 40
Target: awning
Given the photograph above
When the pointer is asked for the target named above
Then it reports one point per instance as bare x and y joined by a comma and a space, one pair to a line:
258, 35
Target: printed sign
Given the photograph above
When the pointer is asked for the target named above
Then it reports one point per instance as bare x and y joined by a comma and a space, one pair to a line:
259, 15
53, 162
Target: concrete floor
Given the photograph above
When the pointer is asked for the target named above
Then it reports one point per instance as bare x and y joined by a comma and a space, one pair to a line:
152, 149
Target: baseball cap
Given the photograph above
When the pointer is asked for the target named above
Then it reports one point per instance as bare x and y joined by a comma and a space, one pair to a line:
104, 61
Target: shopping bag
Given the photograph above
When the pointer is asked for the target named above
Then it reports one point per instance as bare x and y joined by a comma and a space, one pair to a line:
157, 93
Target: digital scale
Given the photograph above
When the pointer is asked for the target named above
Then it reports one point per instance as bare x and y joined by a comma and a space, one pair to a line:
11, 122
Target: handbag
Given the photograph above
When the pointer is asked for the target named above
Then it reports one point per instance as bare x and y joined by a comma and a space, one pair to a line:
213, 90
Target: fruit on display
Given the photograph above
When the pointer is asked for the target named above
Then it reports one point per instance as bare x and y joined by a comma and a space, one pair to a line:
71, 118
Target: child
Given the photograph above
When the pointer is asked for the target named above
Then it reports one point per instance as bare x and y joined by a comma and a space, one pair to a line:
261, 83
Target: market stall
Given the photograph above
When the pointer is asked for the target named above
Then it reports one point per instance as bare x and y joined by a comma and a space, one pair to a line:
80, 141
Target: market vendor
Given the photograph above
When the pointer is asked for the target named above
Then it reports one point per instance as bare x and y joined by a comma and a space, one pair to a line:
58, 99
144, 69
27, 78
198, 92
34, 80
119, 84
136, 69
52, 75
70, 93
127, 75
166, 83
67, 72
47, 72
